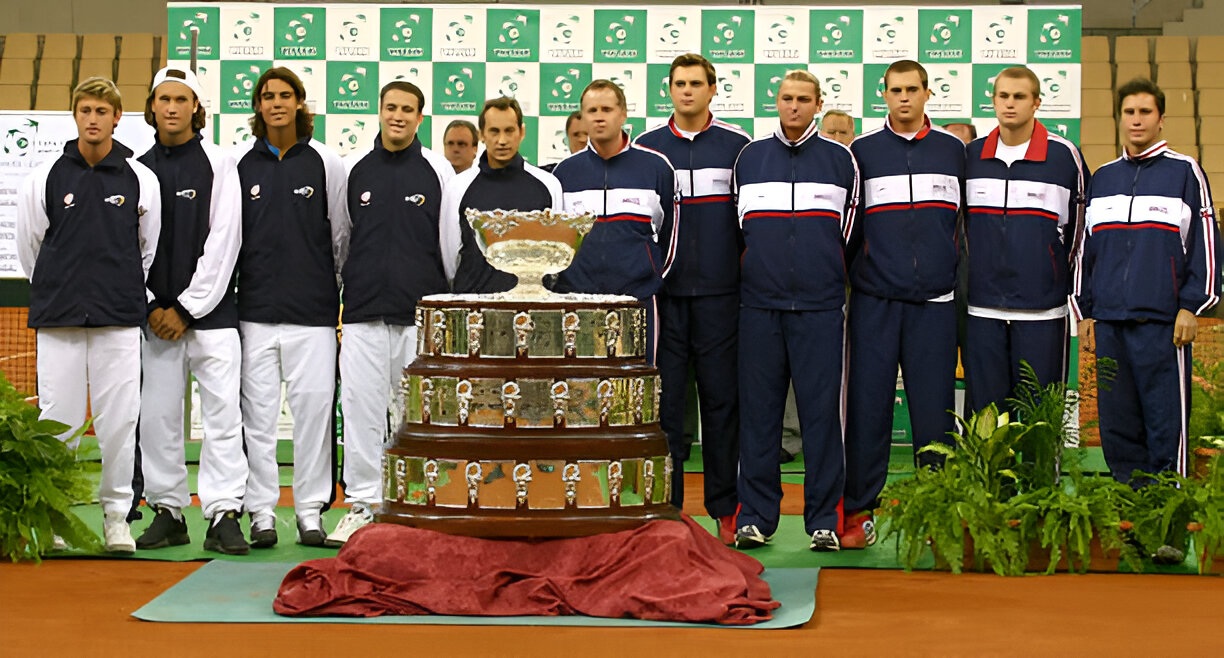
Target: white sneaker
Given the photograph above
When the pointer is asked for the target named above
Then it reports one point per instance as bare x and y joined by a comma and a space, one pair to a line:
118, 534
358, 517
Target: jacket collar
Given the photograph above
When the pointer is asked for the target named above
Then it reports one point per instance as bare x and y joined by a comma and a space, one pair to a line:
625, 144
113, 160
671, 125
188, 145
922, 132
1038, 146
412, 150
516, 164
262, 144
1152, 151
803, 139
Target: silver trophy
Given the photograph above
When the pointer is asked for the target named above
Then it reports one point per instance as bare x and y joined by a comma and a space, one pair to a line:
529, 244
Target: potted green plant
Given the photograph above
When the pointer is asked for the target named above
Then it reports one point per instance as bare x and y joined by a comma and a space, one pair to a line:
1206, 429
40, 480
962, 510
1207, 523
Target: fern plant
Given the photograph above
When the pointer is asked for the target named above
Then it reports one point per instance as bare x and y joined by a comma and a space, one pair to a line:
40, 480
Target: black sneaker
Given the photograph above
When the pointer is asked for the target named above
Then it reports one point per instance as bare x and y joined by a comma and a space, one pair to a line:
164, 531
310, 531
824, 541
225, 535
263, 532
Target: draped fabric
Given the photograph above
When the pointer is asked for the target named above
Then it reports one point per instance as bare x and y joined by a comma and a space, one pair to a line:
663, 571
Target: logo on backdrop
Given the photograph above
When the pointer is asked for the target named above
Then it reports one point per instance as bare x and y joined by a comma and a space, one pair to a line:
184, 21
945, 36
406, 33
620, 36
300, 34
513, 35
245, 36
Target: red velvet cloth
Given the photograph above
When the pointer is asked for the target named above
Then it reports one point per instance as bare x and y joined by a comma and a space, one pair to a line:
663, 571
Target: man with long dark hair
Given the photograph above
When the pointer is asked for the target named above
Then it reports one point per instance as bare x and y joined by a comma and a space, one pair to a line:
192, 324
295, 228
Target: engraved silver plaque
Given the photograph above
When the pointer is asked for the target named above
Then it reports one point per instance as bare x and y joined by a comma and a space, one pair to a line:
593, 484
452, 490
546, 490
497, 489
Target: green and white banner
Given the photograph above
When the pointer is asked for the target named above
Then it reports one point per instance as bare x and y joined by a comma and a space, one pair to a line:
544, 56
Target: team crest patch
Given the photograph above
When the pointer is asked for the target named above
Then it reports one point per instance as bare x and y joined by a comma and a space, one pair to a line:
304, 191
186, 194
365, 198
115, 200
418, 199
254, 192
69, 200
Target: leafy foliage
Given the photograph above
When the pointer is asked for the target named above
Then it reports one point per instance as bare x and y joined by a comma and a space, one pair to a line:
40, 479
1207, 405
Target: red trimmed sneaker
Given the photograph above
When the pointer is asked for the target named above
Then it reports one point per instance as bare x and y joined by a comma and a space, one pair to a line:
859, 530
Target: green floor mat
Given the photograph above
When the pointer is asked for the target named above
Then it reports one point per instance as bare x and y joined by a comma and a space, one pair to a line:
233, 592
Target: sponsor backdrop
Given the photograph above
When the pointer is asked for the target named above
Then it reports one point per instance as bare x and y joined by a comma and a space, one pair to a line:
544, 56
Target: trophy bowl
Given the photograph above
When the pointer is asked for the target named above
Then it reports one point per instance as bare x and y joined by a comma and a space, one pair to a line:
529, 244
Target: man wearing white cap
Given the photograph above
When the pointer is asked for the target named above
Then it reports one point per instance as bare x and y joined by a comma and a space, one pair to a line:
192, 323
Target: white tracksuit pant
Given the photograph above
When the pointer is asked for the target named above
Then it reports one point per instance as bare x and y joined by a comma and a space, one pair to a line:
214, 356
372, 360
99, 366
305, 359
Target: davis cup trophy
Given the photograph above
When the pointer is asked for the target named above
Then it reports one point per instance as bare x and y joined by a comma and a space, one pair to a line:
529, 413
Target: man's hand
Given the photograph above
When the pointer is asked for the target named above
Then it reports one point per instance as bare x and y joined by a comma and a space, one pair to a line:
1087, 335
157, 322
1185, 328
173, 325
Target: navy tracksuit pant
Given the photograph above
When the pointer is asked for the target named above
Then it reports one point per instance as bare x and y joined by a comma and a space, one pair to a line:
702, 331
921, 336
993, 352
805, 348
1145, 408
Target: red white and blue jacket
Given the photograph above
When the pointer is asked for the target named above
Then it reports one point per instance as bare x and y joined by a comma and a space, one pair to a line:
708, 252
1150, 248
633, 197
905, 246
797, 202
1021, 222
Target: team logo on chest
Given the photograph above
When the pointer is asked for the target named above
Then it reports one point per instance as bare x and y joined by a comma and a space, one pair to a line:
69, 201
305, 191
365, 198
417, 199
254, 192
186, 194
115, 200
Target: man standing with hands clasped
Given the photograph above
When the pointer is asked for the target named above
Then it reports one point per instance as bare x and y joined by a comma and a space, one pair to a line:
193, 324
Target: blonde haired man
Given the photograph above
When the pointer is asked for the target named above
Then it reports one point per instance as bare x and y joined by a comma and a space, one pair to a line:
87, 230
